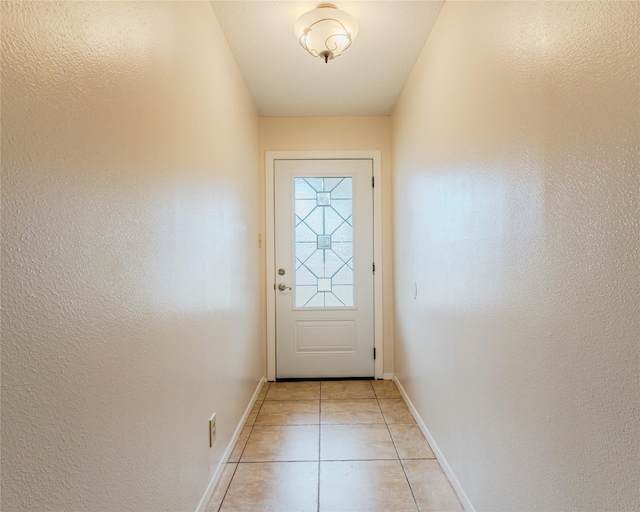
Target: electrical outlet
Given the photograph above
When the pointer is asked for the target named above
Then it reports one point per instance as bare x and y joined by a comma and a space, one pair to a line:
212, 430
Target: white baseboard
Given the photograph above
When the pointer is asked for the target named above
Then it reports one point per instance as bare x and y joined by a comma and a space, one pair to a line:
434, 447
388, 376
227, 453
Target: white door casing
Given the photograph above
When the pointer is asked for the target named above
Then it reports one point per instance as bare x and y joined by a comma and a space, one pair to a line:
323, 331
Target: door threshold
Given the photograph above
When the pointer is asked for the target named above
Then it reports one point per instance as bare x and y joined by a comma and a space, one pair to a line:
315, 379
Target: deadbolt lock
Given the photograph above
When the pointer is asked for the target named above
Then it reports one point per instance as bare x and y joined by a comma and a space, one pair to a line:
281, 272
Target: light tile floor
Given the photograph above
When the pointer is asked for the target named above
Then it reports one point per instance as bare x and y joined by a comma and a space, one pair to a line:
332, 446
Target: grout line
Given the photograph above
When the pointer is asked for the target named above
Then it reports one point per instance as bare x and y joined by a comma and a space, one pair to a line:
306, 461
410, 488
228, 486
278, 462
286, 424
399, 459
245, 445
358, 460
321, 460
348, 399
291, 400
355, 399
301, 399
401, 464
251, 432
349, 424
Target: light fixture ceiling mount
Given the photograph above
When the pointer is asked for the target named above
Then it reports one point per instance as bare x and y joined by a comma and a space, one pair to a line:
326, 31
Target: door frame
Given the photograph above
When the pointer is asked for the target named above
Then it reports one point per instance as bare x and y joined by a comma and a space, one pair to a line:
271, 157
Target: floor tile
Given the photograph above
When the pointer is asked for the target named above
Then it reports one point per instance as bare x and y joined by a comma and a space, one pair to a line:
282, 443
293, 391
385, 389
364, 485
430, 486
410, 442
341, 412
221, 488
263, 391
346, 389
240, 443
289, 412
273, 486
251, 419
357, 429
395, 411
356, 442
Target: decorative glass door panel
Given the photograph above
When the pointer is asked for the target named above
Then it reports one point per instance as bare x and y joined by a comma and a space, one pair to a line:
323, 241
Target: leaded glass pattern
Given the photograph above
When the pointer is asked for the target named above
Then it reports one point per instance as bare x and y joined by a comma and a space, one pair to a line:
323, 242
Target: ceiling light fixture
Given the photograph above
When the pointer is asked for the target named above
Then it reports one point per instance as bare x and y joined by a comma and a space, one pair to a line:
326, 31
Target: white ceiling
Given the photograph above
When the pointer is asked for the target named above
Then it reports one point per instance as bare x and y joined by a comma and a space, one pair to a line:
365, 80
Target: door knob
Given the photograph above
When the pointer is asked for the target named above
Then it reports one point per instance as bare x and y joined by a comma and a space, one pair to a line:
282, 287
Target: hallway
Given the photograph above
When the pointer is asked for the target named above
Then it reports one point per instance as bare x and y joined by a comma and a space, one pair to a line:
137, 157
332, 446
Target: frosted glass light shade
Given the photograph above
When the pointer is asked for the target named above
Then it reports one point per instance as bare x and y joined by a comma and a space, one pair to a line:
326, 31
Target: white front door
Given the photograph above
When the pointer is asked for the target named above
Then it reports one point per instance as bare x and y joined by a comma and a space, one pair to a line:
324, 268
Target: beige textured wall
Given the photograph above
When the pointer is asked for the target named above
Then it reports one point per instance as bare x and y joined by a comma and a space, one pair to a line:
344, 134
517, 183
130, 268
